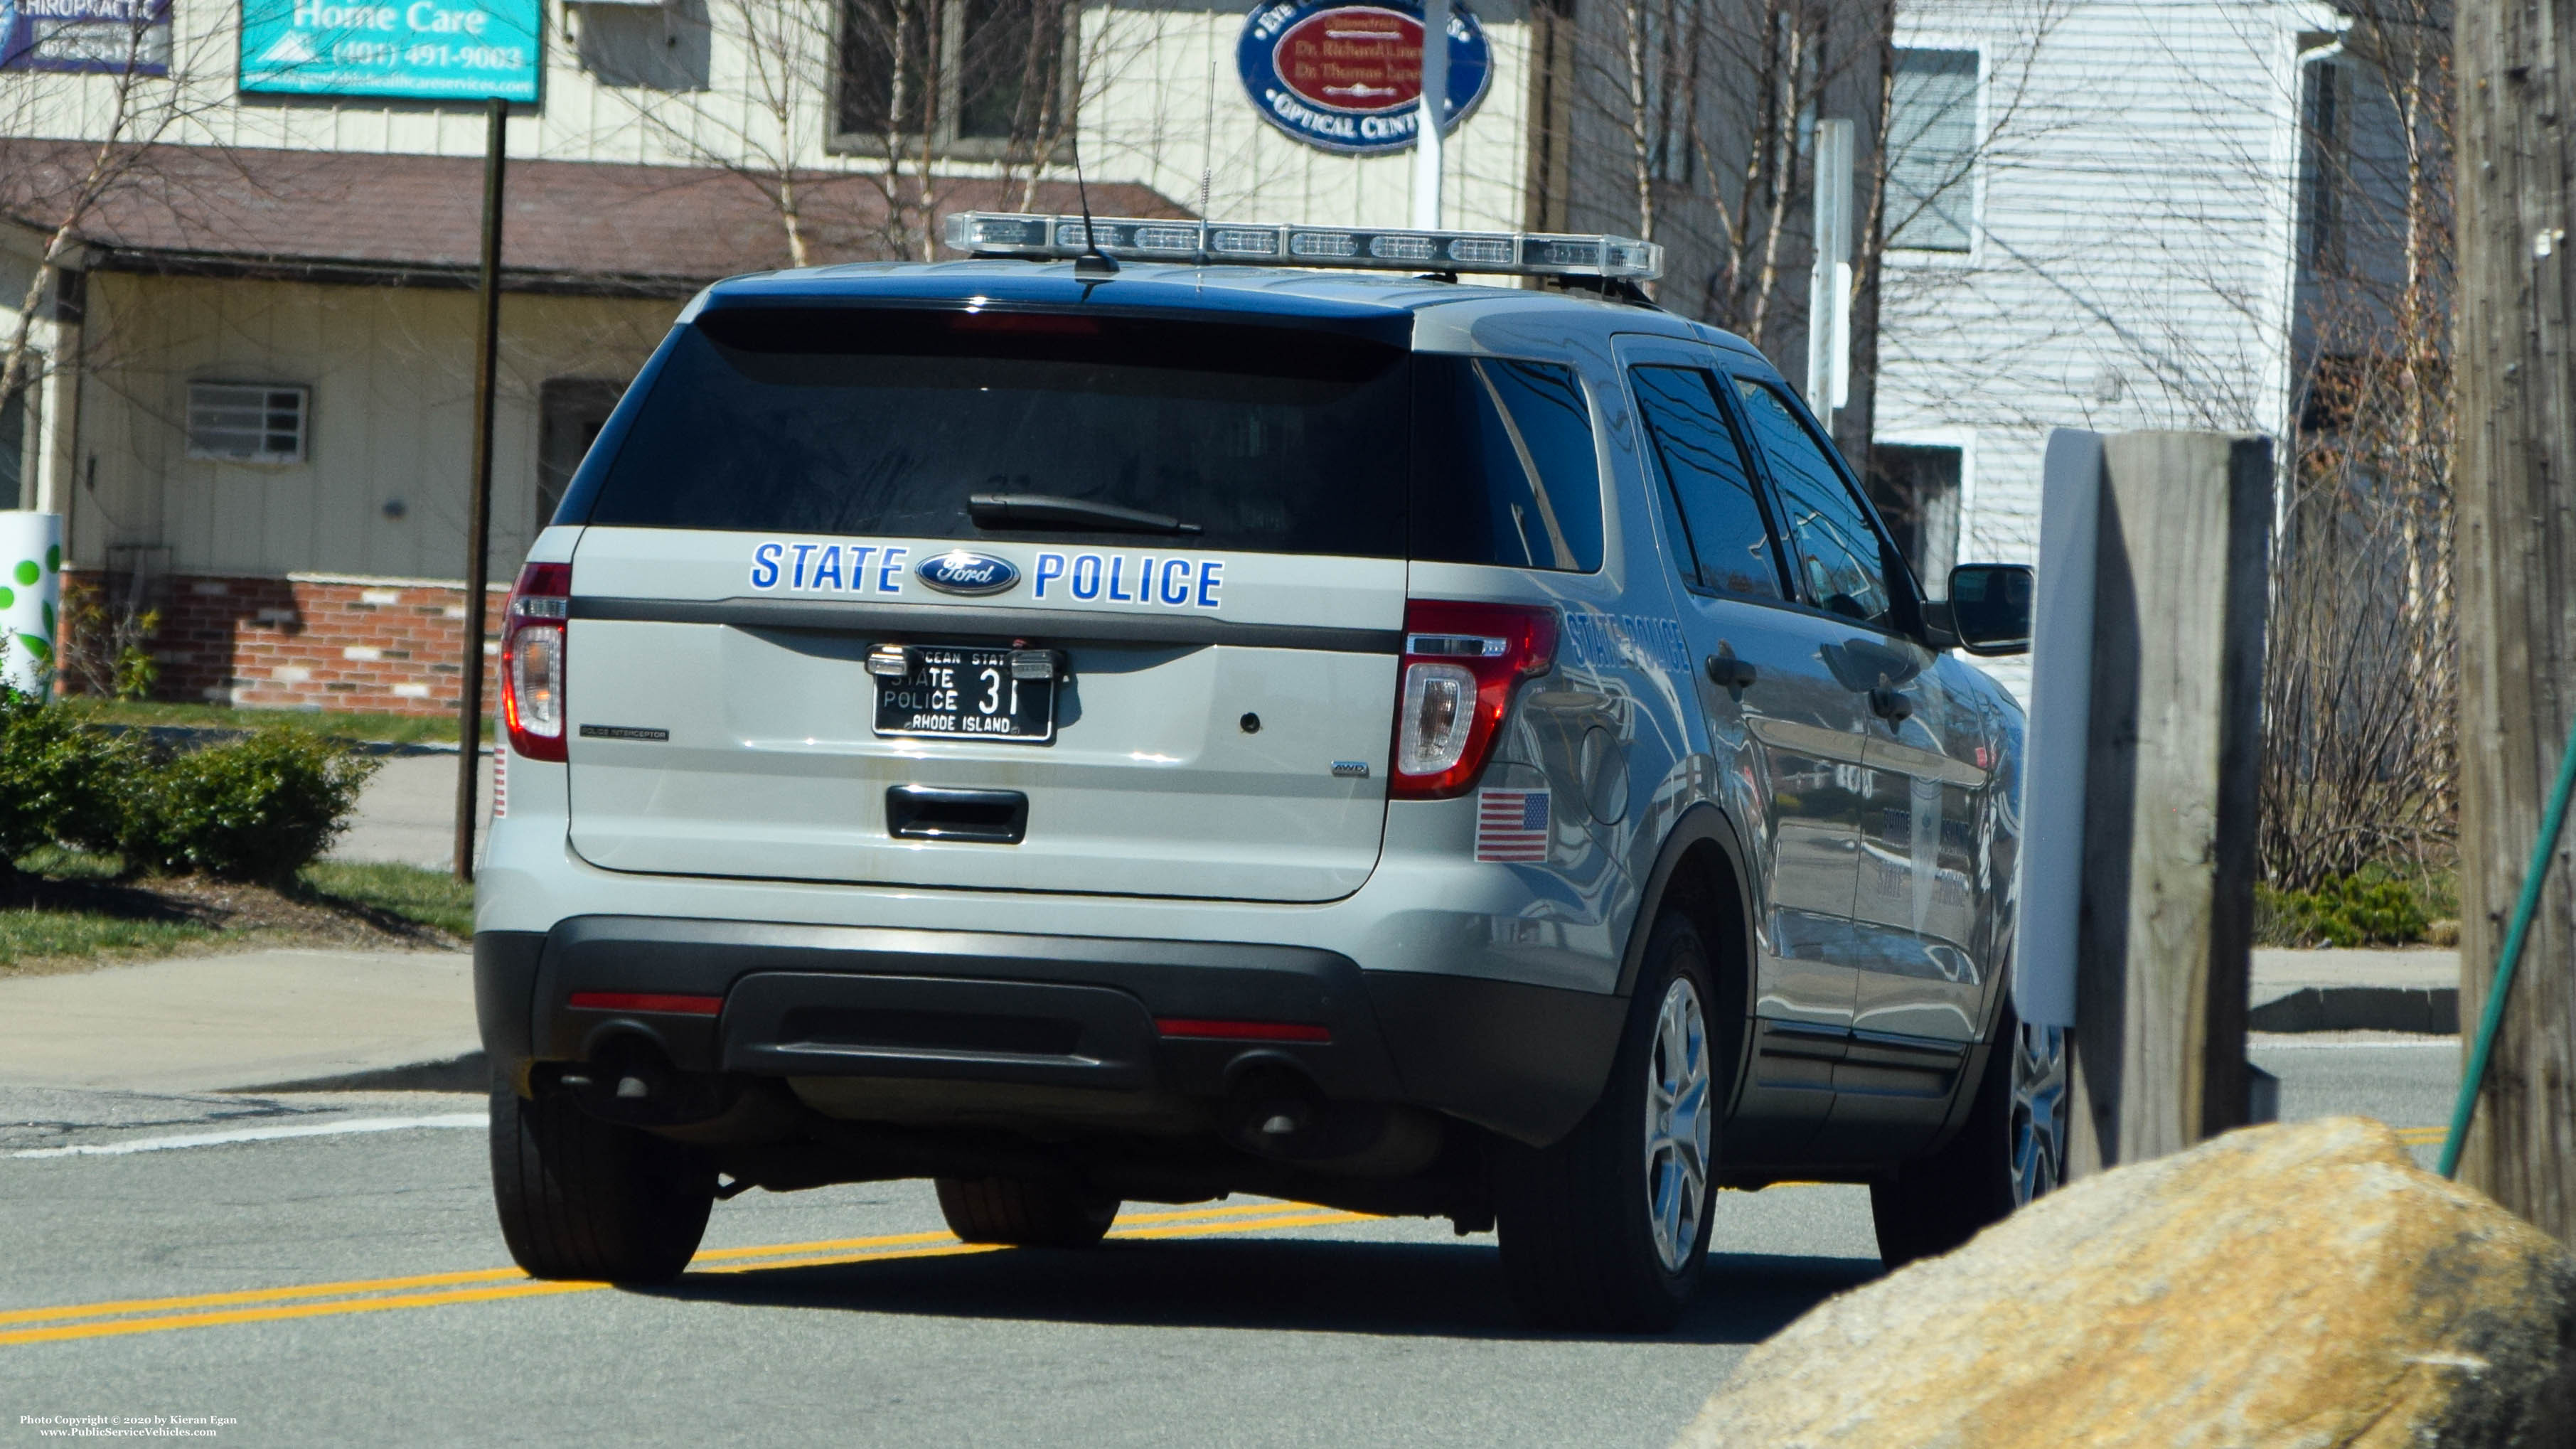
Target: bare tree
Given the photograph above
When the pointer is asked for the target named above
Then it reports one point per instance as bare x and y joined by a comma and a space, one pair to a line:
819, 103
2360, 749
150, 96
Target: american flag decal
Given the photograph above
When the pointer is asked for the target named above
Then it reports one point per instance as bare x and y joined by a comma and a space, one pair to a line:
1511, 825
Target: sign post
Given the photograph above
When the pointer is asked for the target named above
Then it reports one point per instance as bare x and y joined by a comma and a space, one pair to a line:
1829, 283
1434, 105
478, 548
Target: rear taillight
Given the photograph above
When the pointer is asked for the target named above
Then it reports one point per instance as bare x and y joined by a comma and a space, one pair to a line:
1460, 664
532, 660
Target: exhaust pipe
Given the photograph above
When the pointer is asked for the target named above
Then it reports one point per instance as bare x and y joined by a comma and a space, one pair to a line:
1275, 1111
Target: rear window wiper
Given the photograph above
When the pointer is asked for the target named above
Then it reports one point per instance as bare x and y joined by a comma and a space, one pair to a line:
1046, 510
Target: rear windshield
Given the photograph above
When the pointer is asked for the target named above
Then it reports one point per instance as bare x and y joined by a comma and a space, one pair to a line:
885, 421
1269, 439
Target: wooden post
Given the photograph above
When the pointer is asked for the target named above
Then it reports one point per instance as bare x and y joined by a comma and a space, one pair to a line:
2166, 924
2514, 477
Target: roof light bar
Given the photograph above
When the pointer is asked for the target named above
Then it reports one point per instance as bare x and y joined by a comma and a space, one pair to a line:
1510, 253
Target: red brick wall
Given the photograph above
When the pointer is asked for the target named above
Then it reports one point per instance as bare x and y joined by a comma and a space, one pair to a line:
383, 646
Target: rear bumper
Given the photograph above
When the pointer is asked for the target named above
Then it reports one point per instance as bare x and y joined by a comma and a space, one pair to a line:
992, 1007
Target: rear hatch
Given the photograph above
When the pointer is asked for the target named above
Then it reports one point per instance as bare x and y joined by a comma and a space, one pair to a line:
1197, 702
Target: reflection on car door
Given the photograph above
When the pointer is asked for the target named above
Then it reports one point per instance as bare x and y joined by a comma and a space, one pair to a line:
1778, 718
1918, 992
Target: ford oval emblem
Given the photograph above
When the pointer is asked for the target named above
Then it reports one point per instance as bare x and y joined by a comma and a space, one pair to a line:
960, 572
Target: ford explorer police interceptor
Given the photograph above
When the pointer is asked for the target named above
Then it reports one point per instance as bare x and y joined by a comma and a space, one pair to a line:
1270, 716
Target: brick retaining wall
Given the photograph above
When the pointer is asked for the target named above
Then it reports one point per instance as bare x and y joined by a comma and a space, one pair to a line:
383, 646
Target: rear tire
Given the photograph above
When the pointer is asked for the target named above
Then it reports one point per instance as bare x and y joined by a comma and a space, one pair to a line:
1607, 1231
2010, 1150
1023, 1214
582, 1198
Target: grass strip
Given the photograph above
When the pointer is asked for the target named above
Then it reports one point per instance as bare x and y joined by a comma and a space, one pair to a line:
434, 898
394, 729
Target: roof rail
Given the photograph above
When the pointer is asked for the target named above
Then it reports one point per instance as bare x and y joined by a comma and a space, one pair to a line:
1504, 253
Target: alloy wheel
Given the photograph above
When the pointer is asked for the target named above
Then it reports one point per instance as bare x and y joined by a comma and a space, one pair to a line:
1677, 1126
2039, 1103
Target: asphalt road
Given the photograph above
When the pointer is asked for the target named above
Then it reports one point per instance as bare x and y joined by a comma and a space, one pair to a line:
348, 1286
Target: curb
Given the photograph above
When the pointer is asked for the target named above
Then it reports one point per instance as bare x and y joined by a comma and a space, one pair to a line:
2424, 1010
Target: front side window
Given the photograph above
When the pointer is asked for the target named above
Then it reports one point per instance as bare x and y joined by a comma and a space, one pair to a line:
970, 77
1932, 150
1835, 548
1704, 466
1504, 469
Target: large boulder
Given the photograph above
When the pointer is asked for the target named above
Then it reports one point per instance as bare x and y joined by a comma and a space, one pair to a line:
2303, 1286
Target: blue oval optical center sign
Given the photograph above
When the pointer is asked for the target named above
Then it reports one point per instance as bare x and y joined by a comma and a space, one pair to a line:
1348, 78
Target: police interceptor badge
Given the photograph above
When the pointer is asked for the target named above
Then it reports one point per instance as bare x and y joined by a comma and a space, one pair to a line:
1348, 78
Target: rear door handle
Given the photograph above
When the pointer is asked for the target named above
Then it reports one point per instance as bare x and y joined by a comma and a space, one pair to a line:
1728, 672
1893, 706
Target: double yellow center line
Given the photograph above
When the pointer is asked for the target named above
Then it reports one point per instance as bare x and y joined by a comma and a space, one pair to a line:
484, 1285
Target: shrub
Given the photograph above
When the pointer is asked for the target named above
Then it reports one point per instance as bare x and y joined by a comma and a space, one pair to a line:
255, 809
57, 776
2369, 909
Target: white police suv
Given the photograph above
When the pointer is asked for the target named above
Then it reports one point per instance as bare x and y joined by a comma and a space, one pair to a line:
1159, 710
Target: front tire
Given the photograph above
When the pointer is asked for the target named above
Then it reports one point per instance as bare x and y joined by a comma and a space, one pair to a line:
1607, 1231
582, 1198
2011, 1149
1023, 1214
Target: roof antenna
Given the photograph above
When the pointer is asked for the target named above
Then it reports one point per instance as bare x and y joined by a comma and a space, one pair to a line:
1093, 262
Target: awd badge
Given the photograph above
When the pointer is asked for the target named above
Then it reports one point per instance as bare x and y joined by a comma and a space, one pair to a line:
961, 572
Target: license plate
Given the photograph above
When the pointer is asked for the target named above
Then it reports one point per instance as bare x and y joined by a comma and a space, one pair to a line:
965, 694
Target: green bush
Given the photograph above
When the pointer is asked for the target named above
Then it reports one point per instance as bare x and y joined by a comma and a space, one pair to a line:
254, 809
2370, 909
57, 776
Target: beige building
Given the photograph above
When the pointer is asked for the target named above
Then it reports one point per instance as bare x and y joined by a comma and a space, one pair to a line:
256, 393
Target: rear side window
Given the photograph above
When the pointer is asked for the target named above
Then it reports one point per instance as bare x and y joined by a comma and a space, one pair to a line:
1705, 466
885, 420
1504, 469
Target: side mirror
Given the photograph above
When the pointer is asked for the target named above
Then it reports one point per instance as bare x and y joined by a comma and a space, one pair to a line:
1990, 607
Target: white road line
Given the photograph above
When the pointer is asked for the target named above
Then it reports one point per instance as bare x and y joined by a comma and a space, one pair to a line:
475, 1120
2444, 1043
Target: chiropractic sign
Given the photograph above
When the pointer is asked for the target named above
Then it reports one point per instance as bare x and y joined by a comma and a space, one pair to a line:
1348, 78
417, 49
110, 36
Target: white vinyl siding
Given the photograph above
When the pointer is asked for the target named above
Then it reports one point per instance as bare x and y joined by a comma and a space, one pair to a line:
1932, 150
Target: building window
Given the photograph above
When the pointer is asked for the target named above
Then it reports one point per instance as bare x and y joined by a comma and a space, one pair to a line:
13, 448
1667, 83
2325, 167
1932, 150
248, 422
1916, 492
570, 413
659, 47
973, 78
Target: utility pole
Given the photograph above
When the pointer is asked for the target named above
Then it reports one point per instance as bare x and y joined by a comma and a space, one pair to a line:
478, 546
2514, 480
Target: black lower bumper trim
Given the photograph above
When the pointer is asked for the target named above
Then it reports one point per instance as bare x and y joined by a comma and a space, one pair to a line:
822, 1001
